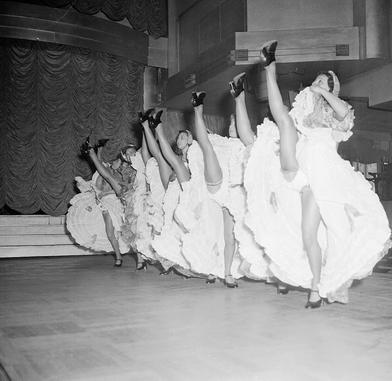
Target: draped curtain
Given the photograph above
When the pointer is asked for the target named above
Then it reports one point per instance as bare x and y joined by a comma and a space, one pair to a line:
51, 98
143, 15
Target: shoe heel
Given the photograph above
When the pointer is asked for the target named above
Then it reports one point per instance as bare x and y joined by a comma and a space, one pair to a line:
267, 53
198, 100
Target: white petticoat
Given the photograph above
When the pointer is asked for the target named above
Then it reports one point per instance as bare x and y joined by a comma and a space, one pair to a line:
86, 224
201, 219
135, 212
231, 155
168, 244
155, 196
354, 232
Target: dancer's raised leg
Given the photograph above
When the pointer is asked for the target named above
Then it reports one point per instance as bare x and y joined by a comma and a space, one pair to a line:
244, 128
213, 176
212, 170
165, 170
287, 130
146, 155
172, 158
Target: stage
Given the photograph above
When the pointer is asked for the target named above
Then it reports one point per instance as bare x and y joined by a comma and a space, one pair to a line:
78, 318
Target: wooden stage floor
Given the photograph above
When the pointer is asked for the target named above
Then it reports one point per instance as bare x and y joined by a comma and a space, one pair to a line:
78, 318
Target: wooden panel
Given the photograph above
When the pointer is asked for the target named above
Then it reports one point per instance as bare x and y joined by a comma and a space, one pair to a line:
32, 229
158, 52
377, 28
209, 31
206, 25
35, 240
298, 14
26, 220
43, 251
208, 65
233, 17
66, 26
35, 236
301, 45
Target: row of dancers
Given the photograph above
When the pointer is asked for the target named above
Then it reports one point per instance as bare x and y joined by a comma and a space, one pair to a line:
278, 205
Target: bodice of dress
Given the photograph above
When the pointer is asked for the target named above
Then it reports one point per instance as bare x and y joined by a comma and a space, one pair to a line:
312, 112
125, 175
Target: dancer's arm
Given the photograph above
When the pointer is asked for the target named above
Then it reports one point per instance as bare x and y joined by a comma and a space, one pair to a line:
338, 105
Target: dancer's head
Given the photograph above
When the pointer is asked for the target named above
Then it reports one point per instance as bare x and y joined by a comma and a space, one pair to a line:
128, 152
184, 139
328, 81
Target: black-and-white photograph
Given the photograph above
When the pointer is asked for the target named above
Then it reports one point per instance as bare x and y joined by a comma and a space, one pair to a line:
195, 190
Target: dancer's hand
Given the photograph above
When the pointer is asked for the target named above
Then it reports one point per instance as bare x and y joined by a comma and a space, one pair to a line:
317, 89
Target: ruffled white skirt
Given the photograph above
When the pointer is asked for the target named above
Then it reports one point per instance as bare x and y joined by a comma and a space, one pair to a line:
354, 233
168, 244
86, 224
231, 154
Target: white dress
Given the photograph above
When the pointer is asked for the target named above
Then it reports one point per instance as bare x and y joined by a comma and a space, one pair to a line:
150, 217
135, 212
354, 232
85, 221
168, 244
201, 220
155, 195
231, 154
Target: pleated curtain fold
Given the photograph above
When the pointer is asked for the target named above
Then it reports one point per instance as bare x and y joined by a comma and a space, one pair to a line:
51, 98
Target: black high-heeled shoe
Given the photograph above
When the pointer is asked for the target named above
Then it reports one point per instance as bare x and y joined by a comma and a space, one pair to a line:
237, 85
282, 290
101, 143
267, 53
211, 279
141, 266
197, 100
118, 262
143, 116
316, 304
230, 284
166, 272
154, 121
86, 147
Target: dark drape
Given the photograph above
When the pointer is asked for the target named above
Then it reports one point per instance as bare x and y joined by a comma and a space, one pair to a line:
143, 15
51, 98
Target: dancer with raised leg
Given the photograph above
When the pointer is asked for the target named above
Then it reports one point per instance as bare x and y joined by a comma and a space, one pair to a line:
168, 243
255, 261
333, 216
214, 178
149, 124
104, 195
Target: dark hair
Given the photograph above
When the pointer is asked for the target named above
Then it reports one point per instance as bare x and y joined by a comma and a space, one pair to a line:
331, 83
182, 132
123, 151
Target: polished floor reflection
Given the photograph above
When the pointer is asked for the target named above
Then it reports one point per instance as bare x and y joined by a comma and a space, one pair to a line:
78, 318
